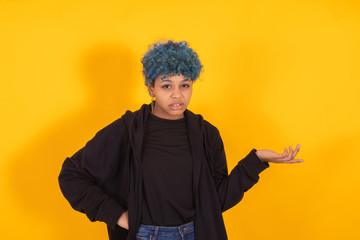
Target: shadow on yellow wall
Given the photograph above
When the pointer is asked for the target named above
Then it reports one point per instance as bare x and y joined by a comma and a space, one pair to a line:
108, 71
324, 187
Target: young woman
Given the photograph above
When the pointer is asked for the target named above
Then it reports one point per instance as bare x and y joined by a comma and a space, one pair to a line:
160, 172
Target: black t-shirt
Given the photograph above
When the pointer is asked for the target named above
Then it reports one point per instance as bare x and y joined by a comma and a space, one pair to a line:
167, 173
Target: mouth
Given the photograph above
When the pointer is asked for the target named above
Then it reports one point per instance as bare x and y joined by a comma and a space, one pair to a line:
176, 106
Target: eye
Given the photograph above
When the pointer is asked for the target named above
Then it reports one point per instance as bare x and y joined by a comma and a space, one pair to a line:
185, 85
166, 86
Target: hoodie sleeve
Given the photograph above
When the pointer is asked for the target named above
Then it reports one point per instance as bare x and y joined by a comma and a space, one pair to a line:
231, 187
83, 176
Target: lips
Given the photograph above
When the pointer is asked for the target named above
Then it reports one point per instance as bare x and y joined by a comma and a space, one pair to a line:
176, 106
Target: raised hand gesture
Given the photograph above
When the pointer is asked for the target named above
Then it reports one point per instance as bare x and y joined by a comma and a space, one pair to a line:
285, 157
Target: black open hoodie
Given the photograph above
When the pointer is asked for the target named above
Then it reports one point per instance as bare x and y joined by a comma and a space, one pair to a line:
104, 178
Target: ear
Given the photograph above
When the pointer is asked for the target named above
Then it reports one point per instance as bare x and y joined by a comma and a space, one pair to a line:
151, 91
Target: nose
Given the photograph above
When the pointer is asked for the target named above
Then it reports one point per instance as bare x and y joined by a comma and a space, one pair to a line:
176, 93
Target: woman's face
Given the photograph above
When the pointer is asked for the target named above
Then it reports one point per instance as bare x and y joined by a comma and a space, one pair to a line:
172, 96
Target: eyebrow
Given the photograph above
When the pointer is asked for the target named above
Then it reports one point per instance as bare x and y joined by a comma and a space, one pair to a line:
168, 80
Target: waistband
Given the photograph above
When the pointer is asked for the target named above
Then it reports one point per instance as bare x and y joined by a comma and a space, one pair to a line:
160, 230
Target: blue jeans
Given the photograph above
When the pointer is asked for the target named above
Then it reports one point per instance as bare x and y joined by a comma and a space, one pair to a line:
182, 232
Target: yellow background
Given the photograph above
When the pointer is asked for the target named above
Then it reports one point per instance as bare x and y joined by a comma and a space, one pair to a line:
276, 73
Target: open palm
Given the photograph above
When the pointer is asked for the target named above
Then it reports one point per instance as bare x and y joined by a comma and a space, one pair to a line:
285, 157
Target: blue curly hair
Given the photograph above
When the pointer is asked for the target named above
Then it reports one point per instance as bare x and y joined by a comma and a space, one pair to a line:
170, 58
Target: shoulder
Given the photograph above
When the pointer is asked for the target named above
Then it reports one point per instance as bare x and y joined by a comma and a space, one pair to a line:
209, 130
120, 127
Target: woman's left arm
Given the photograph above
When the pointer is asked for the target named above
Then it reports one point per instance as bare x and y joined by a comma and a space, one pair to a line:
231, 187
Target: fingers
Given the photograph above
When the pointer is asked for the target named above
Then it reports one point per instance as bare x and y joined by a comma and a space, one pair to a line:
296, 150
291, 152
285, 153
288, 155
289, 158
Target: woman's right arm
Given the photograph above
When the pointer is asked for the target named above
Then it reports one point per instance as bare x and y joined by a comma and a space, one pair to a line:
83, 176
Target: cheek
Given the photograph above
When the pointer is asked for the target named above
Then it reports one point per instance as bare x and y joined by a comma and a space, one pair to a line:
188, 94
162, 96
